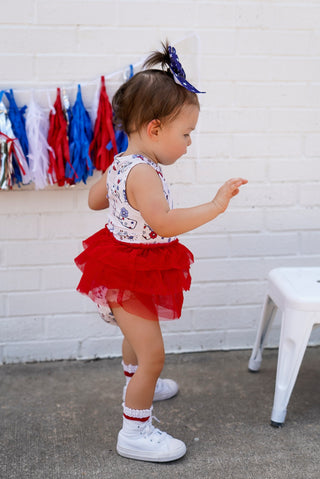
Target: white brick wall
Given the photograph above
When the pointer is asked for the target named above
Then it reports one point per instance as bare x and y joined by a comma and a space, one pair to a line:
260, 119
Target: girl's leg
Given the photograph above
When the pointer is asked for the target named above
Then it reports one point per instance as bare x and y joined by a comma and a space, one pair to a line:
129, 363
128, 354
138, 438
165, 388
143, 338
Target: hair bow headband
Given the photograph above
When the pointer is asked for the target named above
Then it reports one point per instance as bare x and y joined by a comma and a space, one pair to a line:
178, 72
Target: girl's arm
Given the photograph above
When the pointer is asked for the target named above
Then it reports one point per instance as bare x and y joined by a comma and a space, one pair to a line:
144, 191
97, 199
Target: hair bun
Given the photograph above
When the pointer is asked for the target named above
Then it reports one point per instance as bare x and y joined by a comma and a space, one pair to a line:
159, 58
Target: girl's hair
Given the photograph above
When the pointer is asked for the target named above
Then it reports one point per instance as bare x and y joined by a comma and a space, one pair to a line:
150, 94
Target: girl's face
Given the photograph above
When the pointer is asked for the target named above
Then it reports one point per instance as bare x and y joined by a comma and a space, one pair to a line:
174, 136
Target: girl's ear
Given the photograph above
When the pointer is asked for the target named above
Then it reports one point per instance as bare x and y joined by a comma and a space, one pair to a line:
153, 129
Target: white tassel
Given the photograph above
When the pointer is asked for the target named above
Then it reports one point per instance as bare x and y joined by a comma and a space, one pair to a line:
5, 123
37, 125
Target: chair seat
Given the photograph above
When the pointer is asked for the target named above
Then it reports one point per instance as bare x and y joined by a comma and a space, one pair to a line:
296, 288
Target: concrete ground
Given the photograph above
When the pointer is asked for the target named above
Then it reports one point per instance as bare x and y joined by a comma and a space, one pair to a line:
60, 420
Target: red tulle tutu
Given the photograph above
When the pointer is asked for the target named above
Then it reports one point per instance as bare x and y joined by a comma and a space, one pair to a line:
145, 280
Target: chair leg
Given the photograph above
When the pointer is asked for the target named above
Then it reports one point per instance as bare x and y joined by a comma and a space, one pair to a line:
296, 328
267, 316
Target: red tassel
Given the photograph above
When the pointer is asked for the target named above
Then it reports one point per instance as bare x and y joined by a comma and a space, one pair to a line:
58, 140
103, 133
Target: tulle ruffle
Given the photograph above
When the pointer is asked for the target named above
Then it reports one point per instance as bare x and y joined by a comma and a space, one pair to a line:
146, 280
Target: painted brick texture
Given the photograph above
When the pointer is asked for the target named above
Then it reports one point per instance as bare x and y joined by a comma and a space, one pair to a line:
259, 63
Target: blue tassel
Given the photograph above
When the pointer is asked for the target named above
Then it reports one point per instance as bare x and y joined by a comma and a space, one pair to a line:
80, 136
16, 176
121, 140
18, 122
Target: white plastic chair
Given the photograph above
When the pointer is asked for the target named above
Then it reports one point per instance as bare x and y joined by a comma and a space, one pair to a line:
296, 292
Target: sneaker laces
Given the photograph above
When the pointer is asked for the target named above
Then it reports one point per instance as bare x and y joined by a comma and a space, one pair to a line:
152, 433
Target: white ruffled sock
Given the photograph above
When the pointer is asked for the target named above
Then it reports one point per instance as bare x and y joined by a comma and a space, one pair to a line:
129, 370
141, 415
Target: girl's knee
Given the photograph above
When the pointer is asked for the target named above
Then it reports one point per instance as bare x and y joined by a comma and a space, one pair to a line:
158, 363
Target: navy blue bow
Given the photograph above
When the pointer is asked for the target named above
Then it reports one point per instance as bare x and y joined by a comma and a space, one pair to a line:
178, 72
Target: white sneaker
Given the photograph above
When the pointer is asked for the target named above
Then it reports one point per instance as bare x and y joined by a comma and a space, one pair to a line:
143, 442
165, 389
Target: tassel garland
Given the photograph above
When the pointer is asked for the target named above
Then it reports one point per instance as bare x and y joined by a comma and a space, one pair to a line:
60, 149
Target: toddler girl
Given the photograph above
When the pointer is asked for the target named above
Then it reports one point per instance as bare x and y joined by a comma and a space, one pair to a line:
136, 265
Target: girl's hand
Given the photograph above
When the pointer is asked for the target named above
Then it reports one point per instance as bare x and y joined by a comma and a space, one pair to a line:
227, 191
